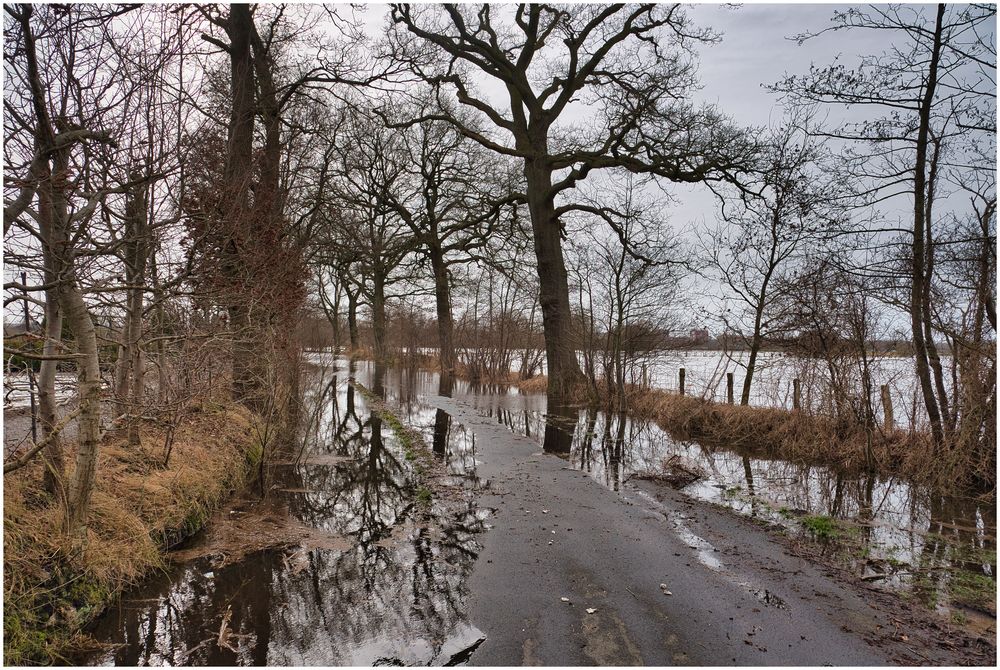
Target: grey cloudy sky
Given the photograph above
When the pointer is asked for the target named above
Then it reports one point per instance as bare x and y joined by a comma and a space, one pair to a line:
756, 49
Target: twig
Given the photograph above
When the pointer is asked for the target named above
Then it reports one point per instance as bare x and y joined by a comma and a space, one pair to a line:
223, 639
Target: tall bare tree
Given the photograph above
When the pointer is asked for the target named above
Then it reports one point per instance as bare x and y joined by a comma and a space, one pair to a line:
929, 87
633, 61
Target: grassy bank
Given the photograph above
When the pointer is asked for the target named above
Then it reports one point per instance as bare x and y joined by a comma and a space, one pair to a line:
776, 433
415, 450
805, 438
139, 509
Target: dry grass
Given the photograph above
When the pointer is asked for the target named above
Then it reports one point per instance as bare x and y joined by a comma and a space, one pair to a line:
804, 438
51, 586
536, 384
796, 436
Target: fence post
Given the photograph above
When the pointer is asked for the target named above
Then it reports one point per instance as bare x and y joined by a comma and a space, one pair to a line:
796, 394
680, 380
729, 388
890, 420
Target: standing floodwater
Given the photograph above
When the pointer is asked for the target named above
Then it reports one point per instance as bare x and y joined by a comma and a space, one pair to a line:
351, 559
339, 564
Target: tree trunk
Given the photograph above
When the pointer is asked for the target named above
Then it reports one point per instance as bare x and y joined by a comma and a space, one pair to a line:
378, 318
48, 415
445, 323
352, 318
129, 389
919, 252
238, 174
89, 389
751, 366
158, 329
553, 286
933, 358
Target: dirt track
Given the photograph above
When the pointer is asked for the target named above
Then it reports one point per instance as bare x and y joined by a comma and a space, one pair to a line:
670, 581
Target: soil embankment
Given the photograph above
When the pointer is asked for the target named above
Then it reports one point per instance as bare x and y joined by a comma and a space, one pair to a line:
140, 507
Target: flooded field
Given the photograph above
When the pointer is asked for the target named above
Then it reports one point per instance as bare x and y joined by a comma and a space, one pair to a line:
349, 560
894, 534
705, 377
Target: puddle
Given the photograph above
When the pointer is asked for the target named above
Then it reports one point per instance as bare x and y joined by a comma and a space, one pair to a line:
338, 565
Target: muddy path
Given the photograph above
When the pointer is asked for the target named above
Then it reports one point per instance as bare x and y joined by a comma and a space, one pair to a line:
512, 549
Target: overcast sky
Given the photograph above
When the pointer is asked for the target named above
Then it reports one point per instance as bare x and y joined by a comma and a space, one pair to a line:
755, 50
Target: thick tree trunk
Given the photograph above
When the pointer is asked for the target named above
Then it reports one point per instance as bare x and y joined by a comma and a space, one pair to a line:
553, 286
238, 174
378, 319
445, 323
352, 318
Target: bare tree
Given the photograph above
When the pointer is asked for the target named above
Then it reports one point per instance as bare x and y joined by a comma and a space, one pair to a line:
458, 194
632, 61
794, 204
627, 288
929, 87
71, 135
363, 218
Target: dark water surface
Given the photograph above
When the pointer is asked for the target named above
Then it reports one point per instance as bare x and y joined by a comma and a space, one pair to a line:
387, 589
369, 577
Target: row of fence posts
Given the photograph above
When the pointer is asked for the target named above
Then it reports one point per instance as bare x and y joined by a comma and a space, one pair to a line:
889, 419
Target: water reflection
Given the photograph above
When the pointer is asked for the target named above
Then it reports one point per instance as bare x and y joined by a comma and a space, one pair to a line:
395, 596
906, 533
560, 422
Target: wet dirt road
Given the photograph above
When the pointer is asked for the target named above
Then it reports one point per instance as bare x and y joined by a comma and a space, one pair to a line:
521, 559
732, 595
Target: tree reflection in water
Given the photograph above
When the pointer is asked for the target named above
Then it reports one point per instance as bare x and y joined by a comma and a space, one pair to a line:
396, 596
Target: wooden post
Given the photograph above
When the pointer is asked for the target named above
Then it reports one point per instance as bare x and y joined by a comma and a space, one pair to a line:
890, 420
796, 394
680, 379
729, 388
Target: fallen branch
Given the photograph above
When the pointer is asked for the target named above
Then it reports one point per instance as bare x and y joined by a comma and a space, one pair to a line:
223, 639
23, 460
